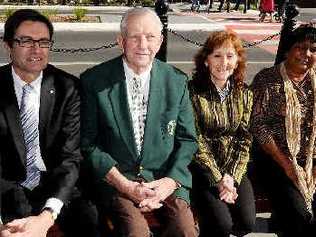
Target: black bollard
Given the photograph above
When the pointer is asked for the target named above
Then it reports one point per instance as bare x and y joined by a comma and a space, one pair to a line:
291, 11
245, 6
161, 8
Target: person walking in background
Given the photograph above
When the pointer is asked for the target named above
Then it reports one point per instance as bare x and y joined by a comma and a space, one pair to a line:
266, 7
236, 8
284, 126
137, 133
195, 5
222, 103
222, 4
281, 8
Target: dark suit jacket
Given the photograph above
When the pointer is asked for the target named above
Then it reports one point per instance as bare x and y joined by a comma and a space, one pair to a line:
107, 136
59, 128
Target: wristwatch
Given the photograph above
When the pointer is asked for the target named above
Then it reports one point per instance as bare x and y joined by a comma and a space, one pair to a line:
51, 211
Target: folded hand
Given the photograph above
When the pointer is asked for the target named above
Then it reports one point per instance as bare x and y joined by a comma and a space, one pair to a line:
28, 227
163, 187
138, 192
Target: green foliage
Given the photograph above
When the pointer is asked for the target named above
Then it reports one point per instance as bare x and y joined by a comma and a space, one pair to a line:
148, 3
49, 12
86, 2
8, 12
80, 13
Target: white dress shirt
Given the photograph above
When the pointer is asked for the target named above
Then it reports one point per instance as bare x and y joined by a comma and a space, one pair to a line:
145, 83
53, 203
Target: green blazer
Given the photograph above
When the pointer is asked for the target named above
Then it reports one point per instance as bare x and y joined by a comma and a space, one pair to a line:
107, 137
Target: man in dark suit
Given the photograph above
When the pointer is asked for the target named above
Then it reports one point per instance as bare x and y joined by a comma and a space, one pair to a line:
39, 131
138, 132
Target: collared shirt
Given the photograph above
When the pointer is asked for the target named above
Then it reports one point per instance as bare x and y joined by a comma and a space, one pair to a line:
35, 100
145, 81
53, 203
223, 93
144, 88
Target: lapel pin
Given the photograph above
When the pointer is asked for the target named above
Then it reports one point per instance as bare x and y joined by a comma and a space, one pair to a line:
51, 91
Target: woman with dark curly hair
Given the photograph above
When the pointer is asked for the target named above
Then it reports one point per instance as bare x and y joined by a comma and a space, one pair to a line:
222, 103
284, 126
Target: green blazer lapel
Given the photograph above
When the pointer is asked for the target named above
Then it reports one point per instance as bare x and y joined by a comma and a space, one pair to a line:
119, 101
153, 109
48, 94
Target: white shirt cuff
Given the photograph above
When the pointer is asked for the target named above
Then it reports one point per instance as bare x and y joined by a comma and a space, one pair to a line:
55, 204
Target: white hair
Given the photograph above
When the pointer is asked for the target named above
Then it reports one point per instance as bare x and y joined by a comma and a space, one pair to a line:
138, 11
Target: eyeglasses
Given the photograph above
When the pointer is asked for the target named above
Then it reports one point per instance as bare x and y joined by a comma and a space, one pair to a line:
29, 42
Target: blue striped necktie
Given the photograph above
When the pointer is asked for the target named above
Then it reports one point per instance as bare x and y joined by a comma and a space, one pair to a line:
29, 122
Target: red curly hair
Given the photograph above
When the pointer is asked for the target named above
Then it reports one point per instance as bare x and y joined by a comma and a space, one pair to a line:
215, 40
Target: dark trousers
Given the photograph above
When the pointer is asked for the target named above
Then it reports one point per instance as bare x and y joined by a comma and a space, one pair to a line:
240, 1
219, 219
175, 216
289, 208
78, 217
222, 3
281, 6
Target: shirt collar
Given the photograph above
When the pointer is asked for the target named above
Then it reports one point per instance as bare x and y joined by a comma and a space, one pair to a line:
223, 93
220, 90
36, 84
131, 74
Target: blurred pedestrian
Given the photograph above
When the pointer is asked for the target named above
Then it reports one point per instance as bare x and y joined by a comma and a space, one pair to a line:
246, 4
281, 8
222, 4
266, 7
195, 5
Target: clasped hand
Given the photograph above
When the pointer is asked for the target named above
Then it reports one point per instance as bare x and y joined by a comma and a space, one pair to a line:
150, 196
27, 227
227, 191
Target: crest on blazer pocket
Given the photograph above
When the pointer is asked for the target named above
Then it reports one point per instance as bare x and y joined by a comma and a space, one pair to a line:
171, 128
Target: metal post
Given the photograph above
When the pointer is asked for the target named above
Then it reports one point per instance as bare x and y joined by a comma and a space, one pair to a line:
245, 6
161, 8
291, 11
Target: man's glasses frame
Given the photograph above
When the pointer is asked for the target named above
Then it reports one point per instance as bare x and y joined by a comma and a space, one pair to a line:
30, 43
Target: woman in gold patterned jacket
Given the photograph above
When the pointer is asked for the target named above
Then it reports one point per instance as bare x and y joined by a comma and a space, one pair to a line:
222, 193
284, 126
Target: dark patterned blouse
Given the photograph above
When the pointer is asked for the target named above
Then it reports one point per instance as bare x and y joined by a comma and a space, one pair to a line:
269, 110
223, 131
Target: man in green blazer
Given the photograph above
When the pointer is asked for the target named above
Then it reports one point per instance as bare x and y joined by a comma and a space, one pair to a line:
137, 133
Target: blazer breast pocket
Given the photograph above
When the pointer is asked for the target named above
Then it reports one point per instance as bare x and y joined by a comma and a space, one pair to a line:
168, 125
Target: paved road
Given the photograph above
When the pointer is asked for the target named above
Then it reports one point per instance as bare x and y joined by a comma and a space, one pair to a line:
180, 52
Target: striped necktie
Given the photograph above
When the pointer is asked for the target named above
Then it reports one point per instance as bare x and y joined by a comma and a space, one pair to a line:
29, 122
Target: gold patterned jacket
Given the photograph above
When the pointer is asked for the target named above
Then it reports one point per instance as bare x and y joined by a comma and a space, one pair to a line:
269, 110
223, 131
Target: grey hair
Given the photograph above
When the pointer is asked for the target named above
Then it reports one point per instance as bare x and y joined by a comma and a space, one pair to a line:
138, 11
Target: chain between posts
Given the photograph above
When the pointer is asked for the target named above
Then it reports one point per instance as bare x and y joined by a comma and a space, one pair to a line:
114, 44
83, 50
246, 45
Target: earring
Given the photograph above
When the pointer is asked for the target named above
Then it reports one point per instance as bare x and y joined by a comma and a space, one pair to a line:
205, 63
